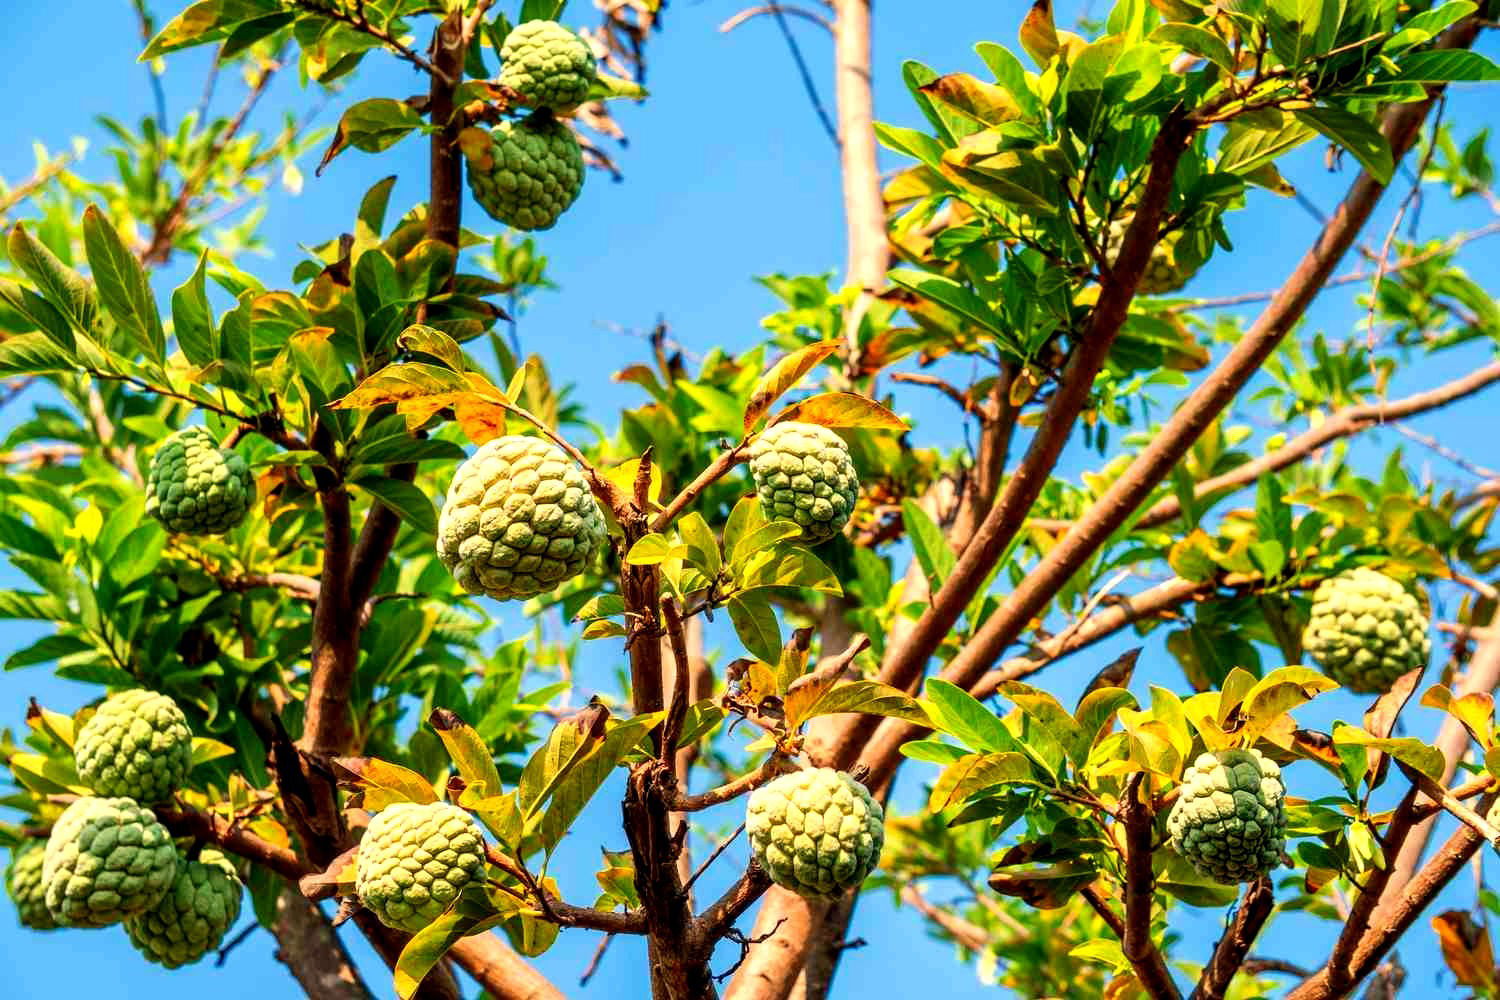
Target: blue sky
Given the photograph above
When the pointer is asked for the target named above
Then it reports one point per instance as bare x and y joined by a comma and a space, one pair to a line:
728, 175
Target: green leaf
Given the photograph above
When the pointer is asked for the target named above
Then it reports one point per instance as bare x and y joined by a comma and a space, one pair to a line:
974, 773
193, 318
434, 342
428, 946
866, 697
954, 711
1049, 714
842, 409
46, 649
62, 287
785, 566
587, 774
123, 289
372, 126
1198, 41
927, 541
652, 549
608, 87
956, 299
1246, 148
751, 542
1447, 66
33, 354
404, 499
755, 623
702, 547
1358, 136
206, 21
205, 750
1414, 753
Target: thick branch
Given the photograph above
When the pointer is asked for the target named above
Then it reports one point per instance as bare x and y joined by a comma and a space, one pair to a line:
312, 952
184, 822
1140, 885
1229, 956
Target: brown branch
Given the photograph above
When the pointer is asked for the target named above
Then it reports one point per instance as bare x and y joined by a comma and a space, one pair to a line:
1358, 920
720, 917
1395, 920
504, 974
327, 726
771, 769
1140, 886
1229, 956
37, 180
677, 710
185, 822
1106, 912
716, 471
1342, 423
307, 945
302, 587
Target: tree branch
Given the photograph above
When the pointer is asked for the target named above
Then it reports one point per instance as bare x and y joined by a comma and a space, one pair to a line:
1140, 885
1229, 956
307, 945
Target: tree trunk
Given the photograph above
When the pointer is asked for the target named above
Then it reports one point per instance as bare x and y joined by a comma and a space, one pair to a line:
310, 949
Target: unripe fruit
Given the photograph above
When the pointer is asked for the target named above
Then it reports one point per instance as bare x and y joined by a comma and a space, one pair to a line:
137, 744
1229, 820
414, 861
1366, 630
815, 832
548, 65
526, 173
193, 916
518, 520
1164, 273
23, 883
803, 473
197, 488
107, 859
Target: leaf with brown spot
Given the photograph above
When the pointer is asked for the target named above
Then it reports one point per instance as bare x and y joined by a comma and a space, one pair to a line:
1116, 674
377, 783
1467, 950
1476, 710
972, 98
469, 753
1046, 888
1039, 33
842, 409
1315, 746
784, 374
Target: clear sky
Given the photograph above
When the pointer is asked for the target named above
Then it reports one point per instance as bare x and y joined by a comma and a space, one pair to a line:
728, 175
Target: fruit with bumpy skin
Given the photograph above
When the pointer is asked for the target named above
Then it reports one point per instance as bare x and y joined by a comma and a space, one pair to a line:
803, 473
137, 744
23, 883
518, 520
1229, 820
414, 861
815, 832
1366, 630
192, 918
107, 859
196, 487
548, 65
526, 173
1164, 272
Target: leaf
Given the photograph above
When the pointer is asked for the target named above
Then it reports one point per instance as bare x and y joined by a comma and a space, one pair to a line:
954, 297
788, 567
60, 286
863, 696
755, 624
469, 753
1467, 950
372, 126
1198, 41
404, 499
973, 99
1044, 887
1246, 148
953, 710
1476, 710
1447, 66
378, 783
932, 550
434, 342
974, 773
1038, 33
123, 289
653, 549
784, 374
1411, 752
428, 946
45, 775
842, 409
206, 21
1050, 715
205, 750
1358, 136
702, 547
753, 542
33, 354
193, 318
588, 774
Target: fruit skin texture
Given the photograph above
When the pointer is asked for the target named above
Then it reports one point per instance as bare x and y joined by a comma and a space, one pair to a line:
107, 859
1366, 630
23, 882
1229, 820
815, 832
414, 860
548, 65
196, 487
137, 744
192, 918
803, 473
519, 519
528, 174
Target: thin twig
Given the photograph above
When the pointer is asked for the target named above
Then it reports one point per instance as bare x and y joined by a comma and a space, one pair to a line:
779, 12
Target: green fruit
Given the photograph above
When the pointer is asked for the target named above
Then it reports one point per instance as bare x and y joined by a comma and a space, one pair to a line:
548, 65
196, 487
414, 861
519, 520
137, 744
815, 832
192, 918
803, 473
1229, 820
528, 173
1164, 272
107, 859
1366, 631
23, 882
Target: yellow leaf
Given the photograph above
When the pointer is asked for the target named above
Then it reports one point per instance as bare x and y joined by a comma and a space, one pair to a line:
842, 409
783, 375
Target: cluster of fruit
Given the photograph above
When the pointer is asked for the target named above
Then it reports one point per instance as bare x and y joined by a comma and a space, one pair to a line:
108, 860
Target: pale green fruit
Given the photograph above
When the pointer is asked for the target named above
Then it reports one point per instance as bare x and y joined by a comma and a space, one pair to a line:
192, 918
1164, 272
197, 488
815, 832
518, 520
548, 65
1366, 630
528, 172
414, 861
803, 473
137, 744
106, 859
1229, 820
23, 883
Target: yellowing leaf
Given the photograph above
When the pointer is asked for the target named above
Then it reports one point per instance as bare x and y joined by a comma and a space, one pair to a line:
377, 783
976, 772
784, 374
468, 751
1039, 34
842, 409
